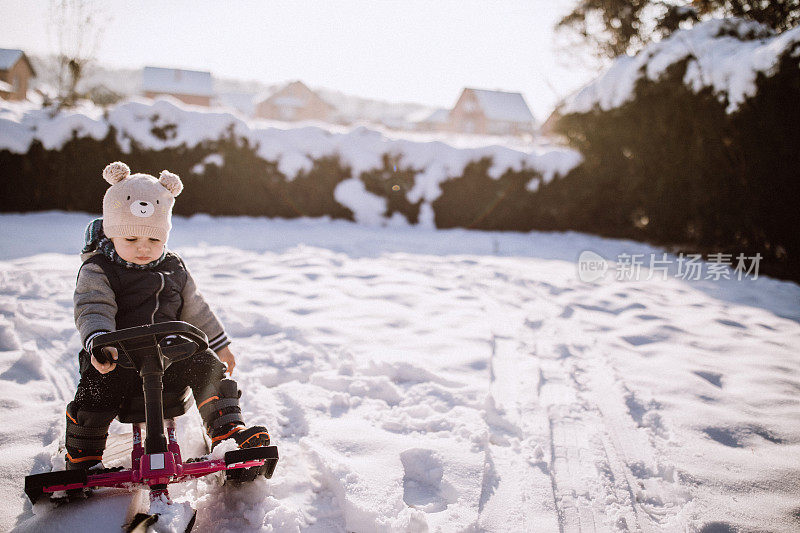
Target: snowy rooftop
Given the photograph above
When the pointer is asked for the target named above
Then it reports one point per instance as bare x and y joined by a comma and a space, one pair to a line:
500, 105
177, 81
9, 57
428, 115
240, 101
438, 116
726, 54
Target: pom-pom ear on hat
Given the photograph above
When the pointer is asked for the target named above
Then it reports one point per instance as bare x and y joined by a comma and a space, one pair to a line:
171, 182
116, 172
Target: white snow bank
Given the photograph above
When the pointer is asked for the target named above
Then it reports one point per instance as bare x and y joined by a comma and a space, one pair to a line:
21, 123
725, 54
167, 123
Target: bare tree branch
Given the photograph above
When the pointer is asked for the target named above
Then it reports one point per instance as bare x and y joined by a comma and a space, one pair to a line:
78, 27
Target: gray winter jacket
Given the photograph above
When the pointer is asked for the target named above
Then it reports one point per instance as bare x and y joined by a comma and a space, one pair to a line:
97, 306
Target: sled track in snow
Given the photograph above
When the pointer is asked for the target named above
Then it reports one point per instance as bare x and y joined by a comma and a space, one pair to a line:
553, 383
588, 475
604, 468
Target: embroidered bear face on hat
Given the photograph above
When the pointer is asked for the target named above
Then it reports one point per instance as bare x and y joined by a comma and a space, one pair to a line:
138, 204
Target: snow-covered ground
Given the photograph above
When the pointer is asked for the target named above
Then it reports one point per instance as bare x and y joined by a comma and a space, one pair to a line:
453, 380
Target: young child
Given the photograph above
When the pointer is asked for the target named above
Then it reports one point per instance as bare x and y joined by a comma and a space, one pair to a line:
128, 278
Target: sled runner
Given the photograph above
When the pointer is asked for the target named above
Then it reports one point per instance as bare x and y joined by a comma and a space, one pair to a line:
156, 462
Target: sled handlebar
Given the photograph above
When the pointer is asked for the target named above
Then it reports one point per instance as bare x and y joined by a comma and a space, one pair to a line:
151, 337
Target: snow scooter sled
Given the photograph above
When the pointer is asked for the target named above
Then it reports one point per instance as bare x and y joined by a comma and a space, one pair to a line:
150, 350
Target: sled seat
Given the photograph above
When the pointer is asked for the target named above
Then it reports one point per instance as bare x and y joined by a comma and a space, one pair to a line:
175, 404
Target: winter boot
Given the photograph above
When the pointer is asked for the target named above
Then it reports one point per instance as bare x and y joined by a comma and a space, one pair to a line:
86, 437
223, 418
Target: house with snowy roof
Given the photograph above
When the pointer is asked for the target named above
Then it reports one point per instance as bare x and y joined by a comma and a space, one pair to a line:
491, 112
15, 73
427, 120
189, 86
294, 101
241, 102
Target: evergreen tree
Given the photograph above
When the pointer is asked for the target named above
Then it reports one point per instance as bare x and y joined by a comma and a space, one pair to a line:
610, 28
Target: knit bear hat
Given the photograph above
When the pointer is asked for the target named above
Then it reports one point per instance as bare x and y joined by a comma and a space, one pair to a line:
139, 204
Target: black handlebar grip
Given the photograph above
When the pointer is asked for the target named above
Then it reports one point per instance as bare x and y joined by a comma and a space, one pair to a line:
100, 355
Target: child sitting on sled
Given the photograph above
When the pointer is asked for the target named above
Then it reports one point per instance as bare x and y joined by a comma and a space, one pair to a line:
128, 278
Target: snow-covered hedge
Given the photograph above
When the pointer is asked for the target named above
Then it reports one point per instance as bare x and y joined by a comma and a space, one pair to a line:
234, 167
692, 142
724, 55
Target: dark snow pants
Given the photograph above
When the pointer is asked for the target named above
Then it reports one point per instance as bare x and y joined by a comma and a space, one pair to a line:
106, 392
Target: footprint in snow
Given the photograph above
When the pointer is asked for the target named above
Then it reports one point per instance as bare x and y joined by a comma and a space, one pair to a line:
712, 377
649, 317
731, 323
423, 485
738, 436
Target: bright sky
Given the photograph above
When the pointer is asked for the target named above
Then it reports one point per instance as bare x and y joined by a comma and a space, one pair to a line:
398, 51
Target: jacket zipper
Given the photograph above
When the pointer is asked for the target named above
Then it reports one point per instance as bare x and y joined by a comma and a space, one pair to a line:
153, 318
